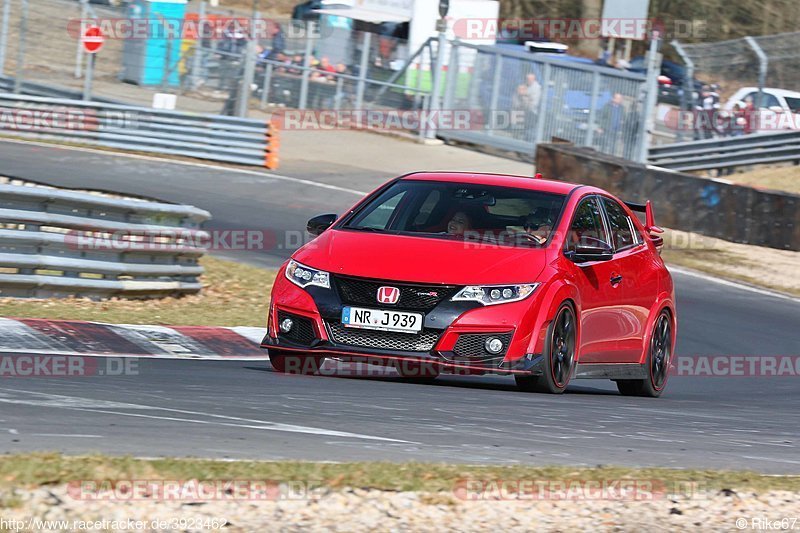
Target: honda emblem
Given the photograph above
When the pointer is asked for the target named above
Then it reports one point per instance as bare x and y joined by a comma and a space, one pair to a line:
388, 295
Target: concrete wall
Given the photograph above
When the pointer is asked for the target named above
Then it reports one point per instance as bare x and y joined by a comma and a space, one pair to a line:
715, 208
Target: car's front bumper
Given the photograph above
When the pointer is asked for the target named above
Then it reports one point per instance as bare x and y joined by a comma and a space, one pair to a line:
452, 339
447, 363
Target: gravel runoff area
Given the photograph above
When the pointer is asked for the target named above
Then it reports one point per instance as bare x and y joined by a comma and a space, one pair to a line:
375, 510
55, 492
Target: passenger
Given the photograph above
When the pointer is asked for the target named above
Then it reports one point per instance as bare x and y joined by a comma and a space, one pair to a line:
459, 224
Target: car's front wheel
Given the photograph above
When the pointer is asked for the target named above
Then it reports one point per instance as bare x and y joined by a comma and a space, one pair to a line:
659, 359
559, 350
286, 363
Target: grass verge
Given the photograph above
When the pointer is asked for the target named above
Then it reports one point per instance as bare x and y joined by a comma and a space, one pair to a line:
233, 295
779, 178
754, 265
41, 469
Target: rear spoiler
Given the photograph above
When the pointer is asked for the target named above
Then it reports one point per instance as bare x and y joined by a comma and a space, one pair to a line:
650, 221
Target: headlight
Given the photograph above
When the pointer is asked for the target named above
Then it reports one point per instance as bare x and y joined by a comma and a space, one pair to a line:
495, 294
303, 276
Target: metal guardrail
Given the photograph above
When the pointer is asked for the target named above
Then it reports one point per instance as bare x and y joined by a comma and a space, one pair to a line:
212, 137
48, 90
708, 154
58, 243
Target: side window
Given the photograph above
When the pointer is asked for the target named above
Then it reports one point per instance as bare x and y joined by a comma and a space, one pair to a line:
620, 225
427, 207
379, 217
768, 100
587, 225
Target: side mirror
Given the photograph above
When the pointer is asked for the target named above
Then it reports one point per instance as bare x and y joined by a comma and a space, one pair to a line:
590, 252
320, 223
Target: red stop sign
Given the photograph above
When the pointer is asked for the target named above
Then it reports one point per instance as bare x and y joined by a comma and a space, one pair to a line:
92, 39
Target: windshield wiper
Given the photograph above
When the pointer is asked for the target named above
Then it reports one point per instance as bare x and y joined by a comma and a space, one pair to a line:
371, 230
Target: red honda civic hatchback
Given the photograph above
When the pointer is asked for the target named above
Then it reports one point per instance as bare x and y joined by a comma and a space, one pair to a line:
471, 273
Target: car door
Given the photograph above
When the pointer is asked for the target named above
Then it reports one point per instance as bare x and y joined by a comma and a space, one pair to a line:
600, 326
638, 285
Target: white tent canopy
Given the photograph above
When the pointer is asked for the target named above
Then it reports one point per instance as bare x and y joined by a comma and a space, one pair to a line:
366, 15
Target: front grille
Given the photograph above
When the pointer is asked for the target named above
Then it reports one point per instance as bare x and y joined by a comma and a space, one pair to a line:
473, 344
383, 340
302, 331
356, 291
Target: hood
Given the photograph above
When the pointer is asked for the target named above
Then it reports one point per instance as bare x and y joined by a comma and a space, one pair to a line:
421, 259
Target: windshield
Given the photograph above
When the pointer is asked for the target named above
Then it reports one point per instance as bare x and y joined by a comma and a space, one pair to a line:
460, 211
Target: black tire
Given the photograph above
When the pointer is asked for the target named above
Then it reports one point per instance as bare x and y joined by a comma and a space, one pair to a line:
560, 349
422, 372
304, 365
659, 359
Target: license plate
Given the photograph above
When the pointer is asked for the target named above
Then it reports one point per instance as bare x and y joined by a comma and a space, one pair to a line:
383, 320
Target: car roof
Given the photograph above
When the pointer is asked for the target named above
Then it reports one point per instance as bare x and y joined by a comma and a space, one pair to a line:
771, 90
498, 180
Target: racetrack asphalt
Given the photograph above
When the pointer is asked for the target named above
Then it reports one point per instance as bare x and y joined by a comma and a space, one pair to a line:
243, 410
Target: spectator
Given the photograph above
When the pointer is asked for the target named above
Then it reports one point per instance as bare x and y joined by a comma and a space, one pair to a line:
534, 89
520, 107
750, 116
278, 40
325, 69
264, 54
705, 113
736, 120
296, 65
612, 119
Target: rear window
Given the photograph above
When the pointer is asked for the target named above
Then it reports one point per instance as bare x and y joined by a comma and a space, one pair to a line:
502, 215
794, 104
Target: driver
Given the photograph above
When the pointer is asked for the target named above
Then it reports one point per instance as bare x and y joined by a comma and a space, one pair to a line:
538, 225
459, 224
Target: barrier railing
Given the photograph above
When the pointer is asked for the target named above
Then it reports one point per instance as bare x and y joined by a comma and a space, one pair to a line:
731, 152
58, 243
213, 137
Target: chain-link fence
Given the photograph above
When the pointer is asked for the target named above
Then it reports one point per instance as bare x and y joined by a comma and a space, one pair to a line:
739, 86
765, 61
528, 99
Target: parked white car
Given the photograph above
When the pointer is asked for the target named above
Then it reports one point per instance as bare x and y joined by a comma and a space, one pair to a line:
779, 110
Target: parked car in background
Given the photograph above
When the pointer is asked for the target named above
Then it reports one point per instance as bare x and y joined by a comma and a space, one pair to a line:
672, 83
779, 108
